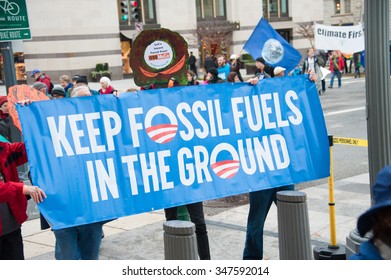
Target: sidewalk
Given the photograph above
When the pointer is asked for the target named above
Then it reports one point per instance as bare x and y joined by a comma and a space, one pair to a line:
140, 237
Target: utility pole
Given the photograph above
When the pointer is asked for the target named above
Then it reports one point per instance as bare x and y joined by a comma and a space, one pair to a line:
377, 74
378, 106
10, 80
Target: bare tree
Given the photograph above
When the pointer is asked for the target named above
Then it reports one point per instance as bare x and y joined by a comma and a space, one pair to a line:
307, 31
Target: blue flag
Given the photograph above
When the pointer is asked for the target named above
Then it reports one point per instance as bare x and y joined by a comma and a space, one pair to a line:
267, 43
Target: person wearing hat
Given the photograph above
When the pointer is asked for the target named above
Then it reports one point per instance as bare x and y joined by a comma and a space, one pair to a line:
58, 92
377, 221
5, 128
212, 76
235, 64
82, 81
42, 88
279, 71
173, 83
260, 73
38, 76
266, 67
106, 87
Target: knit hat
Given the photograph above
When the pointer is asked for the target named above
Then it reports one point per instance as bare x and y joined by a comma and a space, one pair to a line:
58, 90
213, 71
381, 197
3, 99
261, 60
105, 80
75, 78
82, 79
39, 86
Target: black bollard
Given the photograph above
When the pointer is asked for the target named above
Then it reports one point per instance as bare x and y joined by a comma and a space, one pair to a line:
180, 242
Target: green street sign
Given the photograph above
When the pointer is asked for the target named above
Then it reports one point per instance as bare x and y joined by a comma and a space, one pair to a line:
14, 22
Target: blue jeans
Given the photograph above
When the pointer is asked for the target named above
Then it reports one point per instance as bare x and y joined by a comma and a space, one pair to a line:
339, 75
260, 202
79, 242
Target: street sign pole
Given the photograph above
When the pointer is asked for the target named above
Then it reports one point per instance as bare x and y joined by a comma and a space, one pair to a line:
10, 80
8, 64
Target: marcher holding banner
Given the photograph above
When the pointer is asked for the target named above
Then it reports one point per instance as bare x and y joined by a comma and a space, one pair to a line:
80, 242
13, 201
260, 203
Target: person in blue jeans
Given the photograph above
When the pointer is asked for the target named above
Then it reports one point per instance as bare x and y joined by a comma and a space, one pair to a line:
260, 203
336, 67
80, 242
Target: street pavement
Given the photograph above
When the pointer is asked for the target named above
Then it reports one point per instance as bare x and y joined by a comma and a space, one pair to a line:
140, 237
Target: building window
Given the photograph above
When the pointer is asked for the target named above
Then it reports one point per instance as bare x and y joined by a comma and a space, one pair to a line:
347, 6
148, 11
275, 8
337, 6
210, 9
285, 33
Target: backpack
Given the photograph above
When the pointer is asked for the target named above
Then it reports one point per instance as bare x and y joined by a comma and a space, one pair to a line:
50, 88
322, 59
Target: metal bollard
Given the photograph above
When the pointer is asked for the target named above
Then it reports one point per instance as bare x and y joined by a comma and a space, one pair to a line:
293, 226
180, 242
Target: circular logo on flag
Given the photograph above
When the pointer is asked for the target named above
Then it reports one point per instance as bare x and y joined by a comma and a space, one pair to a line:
225, 168
272, 51
161, 133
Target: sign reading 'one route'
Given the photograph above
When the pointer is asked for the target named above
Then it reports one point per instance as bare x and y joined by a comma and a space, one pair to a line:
14, 23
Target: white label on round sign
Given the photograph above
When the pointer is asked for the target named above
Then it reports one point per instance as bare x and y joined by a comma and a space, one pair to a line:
158, 55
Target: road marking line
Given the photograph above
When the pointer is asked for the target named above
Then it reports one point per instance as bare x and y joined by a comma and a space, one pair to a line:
344, 111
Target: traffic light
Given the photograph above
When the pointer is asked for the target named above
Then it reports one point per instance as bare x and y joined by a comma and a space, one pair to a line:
124, 10
135, 12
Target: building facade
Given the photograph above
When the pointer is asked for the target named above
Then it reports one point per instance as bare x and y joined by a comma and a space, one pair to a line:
71, 37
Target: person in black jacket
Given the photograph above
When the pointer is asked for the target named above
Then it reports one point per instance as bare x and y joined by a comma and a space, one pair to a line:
212, 76
5, 129
192, 63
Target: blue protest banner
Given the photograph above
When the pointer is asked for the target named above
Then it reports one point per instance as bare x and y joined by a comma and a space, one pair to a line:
102, 157
267, 43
